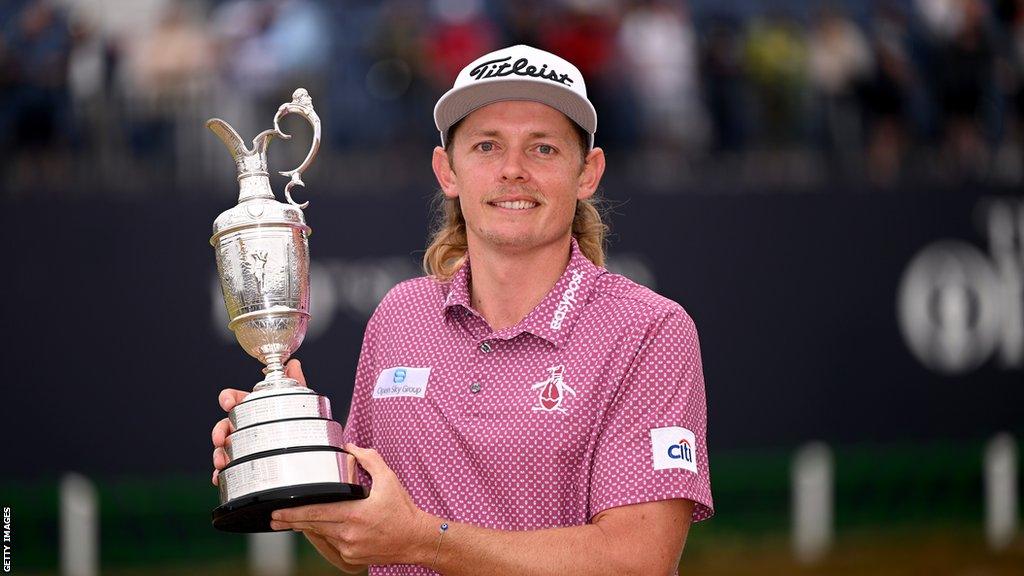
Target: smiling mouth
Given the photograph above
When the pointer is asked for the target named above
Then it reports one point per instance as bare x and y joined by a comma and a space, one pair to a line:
516, 205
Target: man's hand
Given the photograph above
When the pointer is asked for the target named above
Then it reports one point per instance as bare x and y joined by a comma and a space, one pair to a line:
384, 528
387, 528
229, 398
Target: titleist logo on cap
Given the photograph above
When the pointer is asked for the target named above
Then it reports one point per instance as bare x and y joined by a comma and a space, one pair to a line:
521, 67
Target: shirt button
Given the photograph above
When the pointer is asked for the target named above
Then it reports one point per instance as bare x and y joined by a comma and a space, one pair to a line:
485, 347
474, 387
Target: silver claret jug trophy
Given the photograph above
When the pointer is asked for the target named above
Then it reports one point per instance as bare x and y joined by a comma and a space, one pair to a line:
284, 449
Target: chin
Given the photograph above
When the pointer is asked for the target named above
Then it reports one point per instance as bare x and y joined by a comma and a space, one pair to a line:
516, 240
510, 240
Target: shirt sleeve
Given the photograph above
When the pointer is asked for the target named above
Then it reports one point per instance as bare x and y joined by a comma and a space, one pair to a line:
652, 444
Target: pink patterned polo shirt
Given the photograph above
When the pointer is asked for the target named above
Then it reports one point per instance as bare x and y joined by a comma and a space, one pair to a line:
594, 400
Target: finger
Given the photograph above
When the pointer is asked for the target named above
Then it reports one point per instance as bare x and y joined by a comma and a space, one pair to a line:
278, 525
332, 513
321, 528
293, 370
229, 397
220, 458
369, 459
216, 477
221, 431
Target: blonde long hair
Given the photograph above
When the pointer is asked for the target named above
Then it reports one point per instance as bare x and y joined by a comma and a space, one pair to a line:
447, 249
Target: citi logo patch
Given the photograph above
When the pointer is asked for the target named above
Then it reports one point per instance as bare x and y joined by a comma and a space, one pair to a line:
674, 447
681, 451
568, 300
402, 381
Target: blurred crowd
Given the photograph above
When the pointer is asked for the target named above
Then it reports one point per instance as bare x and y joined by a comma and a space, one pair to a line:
882, 92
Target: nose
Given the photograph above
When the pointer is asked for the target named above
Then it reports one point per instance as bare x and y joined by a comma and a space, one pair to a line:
514, 167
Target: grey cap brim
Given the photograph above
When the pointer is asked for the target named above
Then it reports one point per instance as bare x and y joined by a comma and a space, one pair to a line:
458, 103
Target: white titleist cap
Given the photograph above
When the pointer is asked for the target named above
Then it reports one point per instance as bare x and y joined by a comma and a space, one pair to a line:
517, 73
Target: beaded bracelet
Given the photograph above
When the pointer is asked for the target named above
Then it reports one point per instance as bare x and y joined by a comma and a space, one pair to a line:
437, 551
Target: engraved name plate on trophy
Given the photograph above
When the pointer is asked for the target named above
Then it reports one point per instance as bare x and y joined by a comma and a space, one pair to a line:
284, 449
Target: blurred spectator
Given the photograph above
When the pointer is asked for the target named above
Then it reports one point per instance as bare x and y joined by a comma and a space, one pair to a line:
35, 109
244, 56
398, 79
583, 32
87, 66
890, 89
724, 83
840, 64
299, 36
964, 81
1017, 46
460, 34
1012, 16
521, 22
378, 77
165, 68
776, 62
266, 42
942, 18
171, 59
91, 69
659, 49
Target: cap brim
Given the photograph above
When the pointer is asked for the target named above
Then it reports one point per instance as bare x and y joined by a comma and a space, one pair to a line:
458, 103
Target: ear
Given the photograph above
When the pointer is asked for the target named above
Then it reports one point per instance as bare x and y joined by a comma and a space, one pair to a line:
444, 173
590, 177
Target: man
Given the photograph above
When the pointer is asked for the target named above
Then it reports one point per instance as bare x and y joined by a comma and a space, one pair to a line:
554, 421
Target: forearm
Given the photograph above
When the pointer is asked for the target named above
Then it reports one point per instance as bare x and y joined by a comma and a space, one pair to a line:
588, 549
387, 528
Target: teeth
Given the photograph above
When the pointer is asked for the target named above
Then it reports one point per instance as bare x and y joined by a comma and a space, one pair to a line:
517, 205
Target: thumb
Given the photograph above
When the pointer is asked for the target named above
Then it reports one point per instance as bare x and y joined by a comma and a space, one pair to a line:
369, 459
293, 369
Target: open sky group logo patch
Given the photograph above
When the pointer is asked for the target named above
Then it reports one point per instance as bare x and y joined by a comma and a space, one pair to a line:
402, 381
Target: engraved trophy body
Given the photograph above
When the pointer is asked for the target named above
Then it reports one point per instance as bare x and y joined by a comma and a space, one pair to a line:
284, 449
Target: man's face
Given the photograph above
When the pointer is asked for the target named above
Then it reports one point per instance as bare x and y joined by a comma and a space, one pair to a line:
517, 170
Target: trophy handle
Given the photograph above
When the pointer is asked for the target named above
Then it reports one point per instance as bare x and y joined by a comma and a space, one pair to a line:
302, 105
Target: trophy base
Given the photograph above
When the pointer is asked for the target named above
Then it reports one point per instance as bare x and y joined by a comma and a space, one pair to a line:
251, 513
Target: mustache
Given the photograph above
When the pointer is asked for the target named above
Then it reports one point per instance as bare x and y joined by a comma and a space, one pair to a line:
515, 190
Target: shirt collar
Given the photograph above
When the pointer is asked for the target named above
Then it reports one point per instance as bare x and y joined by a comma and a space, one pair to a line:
556, 314
458, 290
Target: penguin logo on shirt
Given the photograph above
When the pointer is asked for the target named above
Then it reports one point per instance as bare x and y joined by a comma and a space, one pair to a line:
552, 391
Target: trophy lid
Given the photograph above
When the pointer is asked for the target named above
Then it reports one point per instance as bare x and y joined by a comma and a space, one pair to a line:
258, 212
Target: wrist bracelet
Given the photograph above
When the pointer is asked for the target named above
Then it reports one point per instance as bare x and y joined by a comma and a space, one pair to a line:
440, 537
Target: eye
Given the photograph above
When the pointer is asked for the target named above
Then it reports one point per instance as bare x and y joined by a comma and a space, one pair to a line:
485, 146
546, 149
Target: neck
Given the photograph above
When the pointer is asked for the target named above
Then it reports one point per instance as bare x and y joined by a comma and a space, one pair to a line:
507, 285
